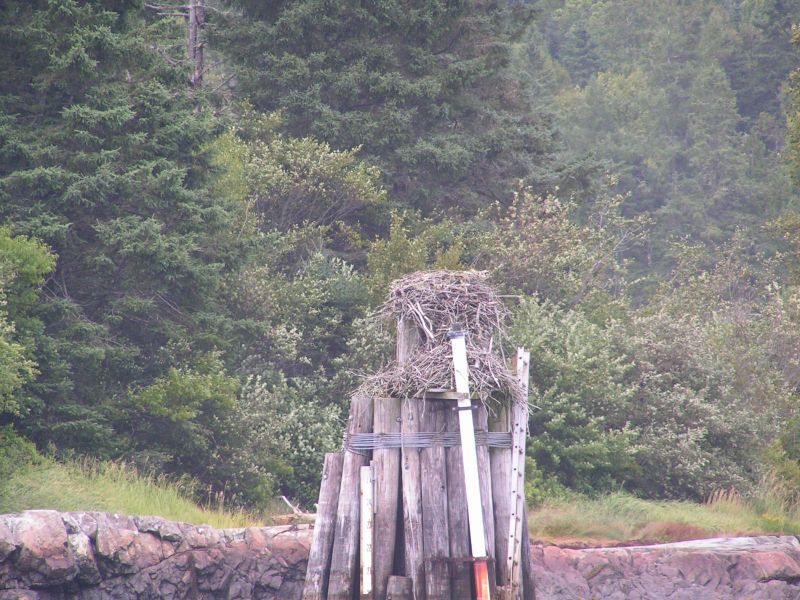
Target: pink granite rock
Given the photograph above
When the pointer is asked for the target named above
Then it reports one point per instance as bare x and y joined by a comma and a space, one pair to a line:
45, 555
758, 568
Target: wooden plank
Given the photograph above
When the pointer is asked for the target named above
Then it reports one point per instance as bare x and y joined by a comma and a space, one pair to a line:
319, 555
366, 537
518, 518
477, 533
399, 588
436, 545
412, 503
481, 416
500, 459
408, 340
517, 498
460, 571
386, 465
344, 564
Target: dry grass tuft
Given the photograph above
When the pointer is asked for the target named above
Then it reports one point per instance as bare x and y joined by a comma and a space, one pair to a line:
82, 485
619, 517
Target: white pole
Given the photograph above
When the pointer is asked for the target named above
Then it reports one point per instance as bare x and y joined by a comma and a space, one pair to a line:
367, 511
470, 457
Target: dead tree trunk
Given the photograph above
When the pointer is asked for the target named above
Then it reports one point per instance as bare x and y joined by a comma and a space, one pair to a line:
194, 44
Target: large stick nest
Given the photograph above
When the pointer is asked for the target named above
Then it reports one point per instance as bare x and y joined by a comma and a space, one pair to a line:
434, 302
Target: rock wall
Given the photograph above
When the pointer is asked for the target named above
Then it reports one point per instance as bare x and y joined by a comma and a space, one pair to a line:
46, 555
752, 568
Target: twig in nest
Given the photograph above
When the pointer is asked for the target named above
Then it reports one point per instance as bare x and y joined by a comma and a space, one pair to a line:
434, 301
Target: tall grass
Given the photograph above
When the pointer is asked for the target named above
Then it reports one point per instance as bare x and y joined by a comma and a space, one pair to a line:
621, 517
113, 487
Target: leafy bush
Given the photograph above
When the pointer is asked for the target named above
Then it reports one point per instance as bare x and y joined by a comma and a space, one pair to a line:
281, 181
551, 248
15, 452
579, 432
177, 422
23, 264
677, 398
712, 357
286, 432
412, 245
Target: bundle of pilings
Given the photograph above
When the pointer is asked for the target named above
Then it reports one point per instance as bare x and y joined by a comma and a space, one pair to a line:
392, 517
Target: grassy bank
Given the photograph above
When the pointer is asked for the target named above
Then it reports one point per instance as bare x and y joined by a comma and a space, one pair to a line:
621, 517
112, 487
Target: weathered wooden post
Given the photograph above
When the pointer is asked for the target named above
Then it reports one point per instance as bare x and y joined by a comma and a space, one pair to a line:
435, 534
399, 588
408, 342
460, 572
386, 462
319, 556
344, 567
481, 413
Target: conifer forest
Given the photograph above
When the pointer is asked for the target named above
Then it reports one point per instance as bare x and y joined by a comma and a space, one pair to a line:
202, 204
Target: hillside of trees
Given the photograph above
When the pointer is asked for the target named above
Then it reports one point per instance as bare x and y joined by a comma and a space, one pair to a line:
194, 235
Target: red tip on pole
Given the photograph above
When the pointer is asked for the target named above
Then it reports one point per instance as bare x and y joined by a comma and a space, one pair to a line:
481, 580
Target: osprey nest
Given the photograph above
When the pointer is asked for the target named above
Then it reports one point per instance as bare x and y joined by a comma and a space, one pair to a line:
435, 301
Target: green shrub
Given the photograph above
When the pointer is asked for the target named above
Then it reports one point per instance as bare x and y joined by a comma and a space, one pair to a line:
286, 431
15, 452
579, 432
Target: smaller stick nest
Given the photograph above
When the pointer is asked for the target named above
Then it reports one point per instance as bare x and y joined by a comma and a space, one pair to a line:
435, 301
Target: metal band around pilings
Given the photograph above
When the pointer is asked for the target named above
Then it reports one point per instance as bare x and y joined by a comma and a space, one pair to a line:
447, 439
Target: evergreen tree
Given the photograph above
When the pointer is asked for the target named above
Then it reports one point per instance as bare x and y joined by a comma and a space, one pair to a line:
102, 158
423, 88
684, 110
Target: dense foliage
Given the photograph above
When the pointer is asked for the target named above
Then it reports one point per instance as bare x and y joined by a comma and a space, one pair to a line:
187, 271
682, 101
425, 89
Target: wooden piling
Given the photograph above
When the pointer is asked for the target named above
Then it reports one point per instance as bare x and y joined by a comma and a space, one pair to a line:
386, 463
412, 503
457, 521
319, 555
487, 502
408, 340
436, 545
399, 588
344, 565
505, 592
500, 459
437, 516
